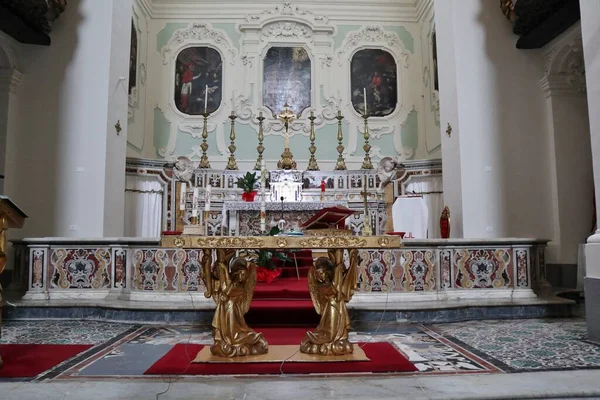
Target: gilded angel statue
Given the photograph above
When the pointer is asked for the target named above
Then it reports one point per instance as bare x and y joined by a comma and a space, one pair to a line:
331, 286
232, 290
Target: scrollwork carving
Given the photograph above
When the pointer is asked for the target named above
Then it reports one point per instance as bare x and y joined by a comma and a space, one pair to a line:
373, 34
199, 33
286, 30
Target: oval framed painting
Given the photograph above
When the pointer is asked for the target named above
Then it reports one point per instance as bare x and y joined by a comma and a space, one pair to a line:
198, 80
287, 79
375, 72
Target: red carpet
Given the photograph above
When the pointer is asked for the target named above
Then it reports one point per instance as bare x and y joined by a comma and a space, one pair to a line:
30, 360
384, 358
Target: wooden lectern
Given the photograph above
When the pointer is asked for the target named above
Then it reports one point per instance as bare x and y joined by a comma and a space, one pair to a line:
11, 216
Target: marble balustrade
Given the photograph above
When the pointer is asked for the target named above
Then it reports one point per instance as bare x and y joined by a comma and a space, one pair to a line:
134, 269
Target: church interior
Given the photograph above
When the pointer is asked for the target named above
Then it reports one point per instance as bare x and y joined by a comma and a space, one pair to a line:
199, 196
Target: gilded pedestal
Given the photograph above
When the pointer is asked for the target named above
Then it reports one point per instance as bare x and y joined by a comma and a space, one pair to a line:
331, 286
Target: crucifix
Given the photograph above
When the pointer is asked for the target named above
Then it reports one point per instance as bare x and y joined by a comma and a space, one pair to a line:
287, 158
367, 230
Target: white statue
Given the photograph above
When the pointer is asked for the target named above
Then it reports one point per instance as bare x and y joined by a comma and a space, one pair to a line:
387, 170
184, 169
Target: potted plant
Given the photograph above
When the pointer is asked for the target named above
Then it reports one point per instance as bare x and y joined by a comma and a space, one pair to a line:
247, 183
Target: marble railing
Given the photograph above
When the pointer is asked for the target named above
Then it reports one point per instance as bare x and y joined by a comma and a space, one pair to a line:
133, 269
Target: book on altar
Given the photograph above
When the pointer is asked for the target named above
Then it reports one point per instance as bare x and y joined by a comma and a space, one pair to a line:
328, 218
410, 215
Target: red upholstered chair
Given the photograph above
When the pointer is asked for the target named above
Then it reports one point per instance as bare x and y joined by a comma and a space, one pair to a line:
445, 223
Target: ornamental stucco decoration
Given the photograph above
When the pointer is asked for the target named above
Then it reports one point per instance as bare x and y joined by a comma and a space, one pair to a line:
286, 30
200, 33
373, 35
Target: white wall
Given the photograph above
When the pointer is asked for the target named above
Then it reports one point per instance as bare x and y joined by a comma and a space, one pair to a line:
492, 100
69, 173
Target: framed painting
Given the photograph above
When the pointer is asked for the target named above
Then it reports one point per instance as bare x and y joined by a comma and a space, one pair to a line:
133, 57
374, 71
198, 80
287, 79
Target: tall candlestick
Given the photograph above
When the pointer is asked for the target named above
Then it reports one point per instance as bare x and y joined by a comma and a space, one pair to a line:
207, 198
205, 99
365, 99
263, 178
182, 196
195, 203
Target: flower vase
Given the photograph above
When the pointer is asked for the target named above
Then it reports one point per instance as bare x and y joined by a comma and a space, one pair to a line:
249, 196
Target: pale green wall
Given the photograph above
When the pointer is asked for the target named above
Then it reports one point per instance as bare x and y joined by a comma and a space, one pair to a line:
246, 136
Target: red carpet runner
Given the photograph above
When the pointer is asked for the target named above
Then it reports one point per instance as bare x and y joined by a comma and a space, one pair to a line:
30, 360
383, 358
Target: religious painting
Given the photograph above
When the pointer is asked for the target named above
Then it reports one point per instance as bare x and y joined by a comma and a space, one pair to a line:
198, 80
373, 74
436, 83
287, 79
133, 58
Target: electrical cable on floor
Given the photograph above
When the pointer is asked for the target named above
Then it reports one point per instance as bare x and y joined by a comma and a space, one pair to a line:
179, 376
387, 296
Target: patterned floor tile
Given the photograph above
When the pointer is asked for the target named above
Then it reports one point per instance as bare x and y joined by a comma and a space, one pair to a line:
60, 332
427, 353
525, 345
174, 335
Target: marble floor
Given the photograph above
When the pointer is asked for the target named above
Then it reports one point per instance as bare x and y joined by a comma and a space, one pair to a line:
493, 352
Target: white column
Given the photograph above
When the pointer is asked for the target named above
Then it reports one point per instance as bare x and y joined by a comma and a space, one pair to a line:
496, 156
10, 80
70, 173
569, 147
590, 29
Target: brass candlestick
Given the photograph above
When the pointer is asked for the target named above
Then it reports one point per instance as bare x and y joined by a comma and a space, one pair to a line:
204, 163
367, 147
312, 163
287, 158
261, 137
231, 163
340, 164
367, 230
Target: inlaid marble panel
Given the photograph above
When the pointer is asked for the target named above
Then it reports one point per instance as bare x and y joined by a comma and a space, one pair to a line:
483, 268
169, 270
80, 268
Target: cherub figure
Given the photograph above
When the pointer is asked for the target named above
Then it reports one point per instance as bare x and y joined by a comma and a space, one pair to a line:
232, 292
331, 286
184, 169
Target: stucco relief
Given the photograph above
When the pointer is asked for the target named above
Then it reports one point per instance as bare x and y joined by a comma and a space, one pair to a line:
564, 72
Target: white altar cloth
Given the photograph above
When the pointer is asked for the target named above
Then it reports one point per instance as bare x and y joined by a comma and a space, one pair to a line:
410, 215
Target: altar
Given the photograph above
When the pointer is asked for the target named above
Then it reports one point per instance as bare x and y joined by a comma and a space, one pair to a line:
243, 218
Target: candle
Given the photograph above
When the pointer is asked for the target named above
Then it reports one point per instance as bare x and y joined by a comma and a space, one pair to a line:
182, 197
205, 99
260, 114
263, 177
365, 99
195, 203
207, 195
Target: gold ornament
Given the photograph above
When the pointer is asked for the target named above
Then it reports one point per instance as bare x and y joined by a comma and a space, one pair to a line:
367, 147
204, 163
287, 158
312, 162
232, 293
331, 286
260, 148
340, 165
231, 163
